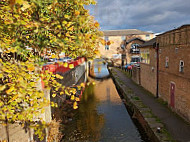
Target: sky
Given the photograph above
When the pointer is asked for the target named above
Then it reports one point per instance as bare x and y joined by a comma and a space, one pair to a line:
148, 15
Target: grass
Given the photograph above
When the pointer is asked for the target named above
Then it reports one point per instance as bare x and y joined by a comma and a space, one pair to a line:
136, 98
125, 72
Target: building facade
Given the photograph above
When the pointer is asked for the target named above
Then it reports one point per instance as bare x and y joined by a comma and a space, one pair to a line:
119, 48
148, 66
132, 48
174, 69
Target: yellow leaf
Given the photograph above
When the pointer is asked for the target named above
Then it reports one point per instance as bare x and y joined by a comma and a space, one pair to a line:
71, 28
67, 34
59, 76
56, 105
52, 104
67, 93
14, 98
75, 105
53, 56
82, 85
66, 16
71, 66
103, 42
10, 90
72, 97
54, 95
64, 22
1, 103
77, 99
31, 68
77, 13
25, 6
88, 83
96, 24
65, 65
2, 87
96, 52
20, 1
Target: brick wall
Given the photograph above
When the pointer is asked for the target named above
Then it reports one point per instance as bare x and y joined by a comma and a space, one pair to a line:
136, 75
175, 45
148, 72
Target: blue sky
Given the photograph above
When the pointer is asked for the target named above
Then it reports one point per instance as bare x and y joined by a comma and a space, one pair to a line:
148, 15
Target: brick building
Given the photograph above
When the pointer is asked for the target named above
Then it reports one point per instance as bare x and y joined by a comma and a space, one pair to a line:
132, 48
148, 66
120, 38
174, 69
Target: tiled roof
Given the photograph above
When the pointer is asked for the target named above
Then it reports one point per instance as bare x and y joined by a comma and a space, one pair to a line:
149, 43
181, 27
133, 40
124, 32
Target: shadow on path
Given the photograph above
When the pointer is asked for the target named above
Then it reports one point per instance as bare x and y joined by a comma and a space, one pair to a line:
176, 126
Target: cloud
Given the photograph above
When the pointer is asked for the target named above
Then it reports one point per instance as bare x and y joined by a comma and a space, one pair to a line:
149, 15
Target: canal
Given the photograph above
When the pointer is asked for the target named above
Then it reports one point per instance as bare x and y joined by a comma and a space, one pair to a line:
102, 116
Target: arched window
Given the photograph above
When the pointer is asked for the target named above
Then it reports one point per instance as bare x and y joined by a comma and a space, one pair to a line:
134, 48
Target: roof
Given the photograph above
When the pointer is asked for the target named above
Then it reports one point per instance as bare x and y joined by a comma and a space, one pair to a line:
181, 27
124, 32
133, 40
148, 43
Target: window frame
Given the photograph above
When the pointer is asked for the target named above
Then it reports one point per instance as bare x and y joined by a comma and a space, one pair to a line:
167, 62
181, 66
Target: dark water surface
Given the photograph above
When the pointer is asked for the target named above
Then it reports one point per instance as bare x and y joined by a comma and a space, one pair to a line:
102, 117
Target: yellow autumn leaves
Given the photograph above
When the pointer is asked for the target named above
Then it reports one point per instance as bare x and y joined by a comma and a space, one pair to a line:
59, 26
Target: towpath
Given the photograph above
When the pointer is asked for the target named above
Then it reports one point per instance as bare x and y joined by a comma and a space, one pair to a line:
176, 126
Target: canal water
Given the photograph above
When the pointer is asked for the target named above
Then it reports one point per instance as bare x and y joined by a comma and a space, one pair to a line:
102, 116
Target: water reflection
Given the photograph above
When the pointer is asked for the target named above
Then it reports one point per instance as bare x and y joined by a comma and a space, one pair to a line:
101, 117
99, 69
87, 123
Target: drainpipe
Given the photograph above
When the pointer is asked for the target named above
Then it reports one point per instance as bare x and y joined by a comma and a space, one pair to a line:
157, 70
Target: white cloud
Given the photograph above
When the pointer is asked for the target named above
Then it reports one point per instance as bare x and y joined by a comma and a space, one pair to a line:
146, 15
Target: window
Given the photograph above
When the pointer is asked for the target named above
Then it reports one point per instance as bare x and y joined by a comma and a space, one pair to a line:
181, 66
123, 37
134, 48
167, 62
106, 47
122, 46
147, 37
176, 50
135, 59
106, 38
145, 56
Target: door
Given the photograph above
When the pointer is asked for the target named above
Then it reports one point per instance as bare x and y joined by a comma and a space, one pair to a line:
172, 95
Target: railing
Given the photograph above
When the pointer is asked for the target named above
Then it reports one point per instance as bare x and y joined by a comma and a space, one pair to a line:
135, 51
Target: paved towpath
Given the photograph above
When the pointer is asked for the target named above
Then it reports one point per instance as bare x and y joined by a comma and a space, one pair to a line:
177, 127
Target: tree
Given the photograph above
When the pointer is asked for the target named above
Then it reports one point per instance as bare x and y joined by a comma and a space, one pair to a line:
59, 25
